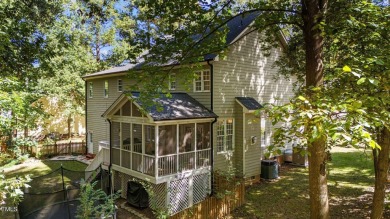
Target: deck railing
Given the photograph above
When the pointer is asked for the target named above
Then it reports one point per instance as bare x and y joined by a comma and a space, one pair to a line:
187, 161
166, 164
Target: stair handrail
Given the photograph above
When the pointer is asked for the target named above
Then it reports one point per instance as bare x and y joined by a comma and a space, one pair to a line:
96, 162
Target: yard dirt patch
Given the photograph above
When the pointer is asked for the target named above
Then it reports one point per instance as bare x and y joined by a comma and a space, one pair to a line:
350, 184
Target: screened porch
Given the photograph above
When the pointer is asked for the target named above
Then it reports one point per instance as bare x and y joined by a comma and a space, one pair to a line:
153, 143
161, 150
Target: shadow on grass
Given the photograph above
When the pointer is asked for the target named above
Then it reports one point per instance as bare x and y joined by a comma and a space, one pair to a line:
40, 168
286, 197
350, 186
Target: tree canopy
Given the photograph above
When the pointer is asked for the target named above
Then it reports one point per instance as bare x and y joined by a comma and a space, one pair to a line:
338, 48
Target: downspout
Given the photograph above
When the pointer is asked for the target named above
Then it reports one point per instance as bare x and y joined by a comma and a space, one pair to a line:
110, 165
86, 115
212, 123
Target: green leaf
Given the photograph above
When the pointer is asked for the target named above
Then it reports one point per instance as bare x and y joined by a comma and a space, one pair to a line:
374, 81
346, 137
373, 144
357, 104
379, 62
361, 81
356, 74
347, 69
302, 98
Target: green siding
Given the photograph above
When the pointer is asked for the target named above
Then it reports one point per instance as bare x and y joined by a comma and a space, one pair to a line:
252, 151
203, 97
97, 105
239, 132
245, 71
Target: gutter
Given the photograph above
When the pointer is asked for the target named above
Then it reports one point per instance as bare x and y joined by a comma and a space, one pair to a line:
212, 123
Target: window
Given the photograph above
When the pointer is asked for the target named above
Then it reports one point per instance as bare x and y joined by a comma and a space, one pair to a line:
90, 89
225, 135
105, 89
120, 85
172, 81
202, 81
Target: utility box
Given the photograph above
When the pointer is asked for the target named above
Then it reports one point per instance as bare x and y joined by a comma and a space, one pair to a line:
269, 169
288, 156
299, 156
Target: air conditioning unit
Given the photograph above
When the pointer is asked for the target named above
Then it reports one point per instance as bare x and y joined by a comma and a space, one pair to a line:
299, 157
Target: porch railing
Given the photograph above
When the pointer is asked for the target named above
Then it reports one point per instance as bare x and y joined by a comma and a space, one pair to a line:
166, 164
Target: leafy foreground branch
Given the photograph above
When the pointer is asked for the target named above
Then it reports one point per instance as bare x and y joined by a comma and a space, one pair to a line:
11, 193
94, 203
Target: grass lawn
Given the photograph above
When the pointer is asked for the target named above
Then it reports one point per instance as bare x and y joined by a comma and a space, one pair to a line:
39, 168
47, 175
350, 184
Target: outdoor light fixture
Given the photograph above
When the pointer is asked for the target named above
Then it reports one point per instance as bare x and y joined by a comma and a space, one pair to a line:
254, 139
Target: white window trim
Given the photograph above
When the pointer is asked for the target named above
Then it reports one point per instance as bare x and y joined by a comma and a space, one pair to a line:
105, 92
120, 86
170, 81
90, 89
225, 136
202, 82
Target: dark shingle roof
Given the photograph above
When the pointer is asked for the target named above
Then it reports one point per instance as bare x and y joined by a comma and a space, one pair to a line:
249, 102
236, 26
179, 106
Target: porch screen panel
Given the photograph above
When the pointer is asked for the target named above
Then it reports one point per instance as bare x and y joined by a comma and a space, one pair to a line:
150, 146
126, 136
126, 159
187, 137
126, 109
137, 138
167, 140
135, 112
115, 138
203, 136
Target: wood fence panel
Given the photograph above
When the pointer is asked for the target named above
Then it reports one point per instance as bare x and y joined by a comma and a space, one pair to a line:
63, 148
212, 207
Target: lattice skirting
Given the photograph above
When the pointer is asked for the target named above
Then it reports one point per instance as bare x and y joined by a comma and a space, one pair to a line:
176, 195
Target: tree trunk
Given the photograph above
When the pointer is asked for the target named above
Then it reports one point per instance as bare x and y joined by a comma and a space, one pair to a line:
318, 188
69, 126
381, 167
313, 14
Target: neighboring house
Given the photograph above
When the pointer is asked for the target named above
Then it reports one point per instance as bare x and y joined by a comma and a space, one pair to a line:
198, 131
58, 121
57, 124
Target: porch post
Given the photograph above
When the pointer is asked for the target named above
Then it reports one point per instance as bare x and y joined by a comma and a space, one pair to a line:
177, 148
131, 145
143, 149
120, 144
195, 132
156, 140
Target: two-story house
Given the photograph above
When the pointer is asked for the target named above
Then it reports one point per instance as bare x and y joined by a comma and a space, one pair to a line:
198, 131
